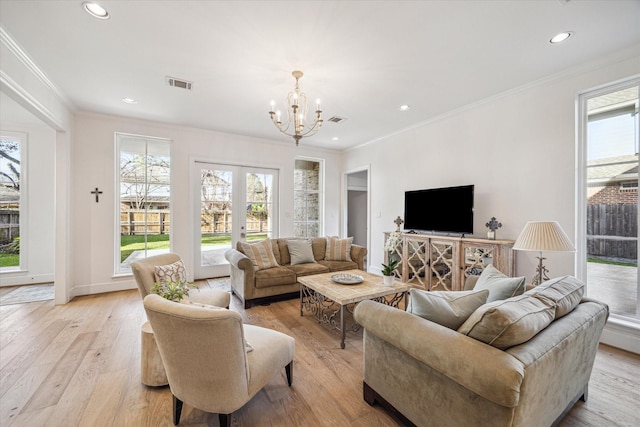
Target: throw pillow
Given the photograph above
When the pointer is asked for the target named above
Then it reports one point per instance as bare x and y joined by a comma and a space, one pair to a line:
448, 309
338, 249
500, 286
300, 251
509, 322
175, 272
260, 254
565, 292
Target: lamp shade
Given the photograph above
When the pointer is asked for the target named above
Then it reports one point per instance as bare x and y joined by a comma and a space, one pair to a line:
543, 236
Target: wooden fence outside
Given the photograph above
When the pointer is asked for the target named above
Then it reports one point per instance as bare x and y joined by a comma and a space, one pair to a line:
612, 231
133, 222
9, 225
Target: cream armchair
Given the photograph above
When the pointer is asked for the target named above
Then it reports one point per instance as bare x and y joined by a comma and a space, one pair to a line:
206, 361
144, 273
152, 372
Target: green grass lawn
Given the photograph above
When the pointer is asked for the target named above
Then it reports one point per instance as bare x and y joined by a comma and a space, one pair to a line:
603, 261
128, 244
9, 260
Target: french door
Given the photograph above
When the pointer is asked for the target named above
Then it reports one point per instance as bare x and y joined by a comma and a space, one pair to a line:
232, 204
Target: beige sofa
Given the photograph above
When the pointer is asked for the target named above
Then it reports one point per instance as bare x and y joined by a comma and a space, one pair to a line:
436, 376
254, 287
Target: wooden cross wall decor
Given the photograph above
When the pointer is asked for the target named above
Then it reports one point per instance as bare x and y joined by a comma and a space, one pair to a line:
97, 193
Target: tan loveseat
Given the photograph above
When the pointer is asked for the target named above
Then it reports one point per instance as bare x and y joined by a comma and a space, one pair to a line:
254, 287
436, 376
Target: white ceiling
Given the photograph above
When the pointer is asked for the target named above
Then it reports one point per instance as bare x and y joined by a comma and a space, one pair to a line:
362, 59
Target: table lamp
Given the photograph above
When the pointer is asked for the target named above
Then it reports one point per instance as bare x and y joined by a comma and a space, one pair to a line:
543, 236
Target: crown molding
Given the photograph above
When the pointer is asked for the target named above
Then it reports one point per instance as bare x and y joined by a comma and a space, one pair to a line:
11, 88
30, 64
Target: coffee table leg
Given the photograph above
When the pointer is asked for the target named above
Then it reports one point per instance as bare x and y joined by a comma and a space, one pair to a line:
301, 286
342, 326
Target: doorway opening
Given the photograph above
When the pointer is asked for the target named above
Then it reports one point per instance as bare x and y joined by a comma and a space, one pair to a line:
357, 213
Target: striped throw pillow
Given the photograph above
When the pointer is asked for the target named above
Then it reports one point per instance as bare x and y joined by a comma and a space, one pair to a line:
338, 249
260, 254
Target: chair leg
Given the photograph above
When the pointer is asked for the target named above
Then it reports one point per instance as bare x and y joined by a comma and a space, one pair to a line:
177, 410
225, 420
289, 371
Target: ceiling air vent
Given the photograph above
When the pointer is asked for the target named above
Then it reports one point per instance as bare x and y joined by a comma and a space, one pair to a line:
336, 119
182, 84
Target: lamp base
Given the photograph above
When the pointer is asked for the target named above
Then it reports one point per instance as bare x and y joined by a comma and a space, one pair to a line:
541, 272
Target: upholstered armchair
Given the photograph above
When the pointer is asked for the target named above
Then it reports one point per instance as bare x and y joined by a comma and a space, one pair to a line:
152, 372
213, 361
144, 272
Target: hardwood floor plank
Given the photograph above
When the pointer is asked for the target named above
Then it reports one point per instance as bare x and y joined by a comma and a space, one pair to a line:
14, 398
101, 387
21, 357
60, 376
75, 398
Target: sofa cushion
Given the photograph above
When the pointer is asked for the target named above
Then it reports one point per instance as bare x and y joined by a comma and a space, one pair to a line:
175, 272
275, 276
338, 249
339, 265
499, 285
308, 269
260, 254
509, 322
300, 251
448, 309
565, 292
319, 247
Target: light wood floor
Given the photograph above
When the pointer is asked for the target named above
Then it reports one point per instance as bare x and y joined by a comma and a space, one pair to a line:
79, 365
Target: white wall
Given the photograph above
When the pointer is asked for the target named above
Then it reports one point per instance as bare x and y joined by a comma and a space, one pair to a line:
93, 157
37, 228
518, 149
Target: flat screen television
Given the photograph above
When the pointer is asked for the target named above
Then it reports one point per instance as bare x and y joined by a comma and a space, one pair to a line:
444, 210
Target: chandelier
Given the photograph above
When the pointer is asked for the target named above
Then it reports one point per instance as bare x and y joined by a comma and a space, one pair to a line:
296, 124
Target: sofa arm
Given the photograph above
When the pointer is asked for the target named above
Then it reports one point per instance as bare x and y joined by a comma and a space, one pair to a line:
239, 260
357, 255
241, 271
485, 370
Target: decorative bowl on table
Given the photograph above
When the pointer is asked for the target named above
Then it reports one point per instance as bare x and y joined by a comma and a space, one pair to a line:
347, 279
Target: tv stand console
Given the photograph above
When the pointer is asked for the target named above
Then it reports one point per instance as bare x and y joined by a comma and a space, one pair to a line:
442, 263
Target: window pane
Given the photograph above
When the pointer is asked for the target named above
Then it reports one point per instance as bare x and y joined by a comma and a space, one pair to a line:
10, 183
307, 196
145, 193
612, 200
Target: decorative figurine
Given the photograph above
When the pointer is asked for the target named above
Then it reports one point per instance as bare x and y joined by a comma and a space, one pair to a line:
399, 222
492, 225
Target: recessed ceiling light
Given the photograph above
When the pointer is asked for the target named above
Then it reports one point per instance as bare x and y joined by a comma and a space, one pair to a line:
129, 101
560, 37
335, 138
404, 107
95, 10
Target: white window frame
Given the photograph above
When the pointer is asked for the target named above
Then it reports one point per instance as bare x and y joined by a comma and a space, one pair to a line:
118, 270
321, 183
581, 188
23, 139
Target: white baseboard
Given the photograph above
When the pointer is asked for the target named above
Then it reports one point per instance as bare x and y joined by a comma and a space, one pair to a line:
100, 288
622, 334
26, 279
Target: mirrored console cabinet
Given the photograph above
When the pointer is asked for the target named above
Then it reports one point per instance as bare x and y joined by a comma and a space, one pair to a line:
442, 263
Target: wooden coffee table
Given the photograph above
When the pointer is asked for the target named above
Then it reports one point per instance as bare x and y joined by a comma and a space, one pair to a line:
327, 300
